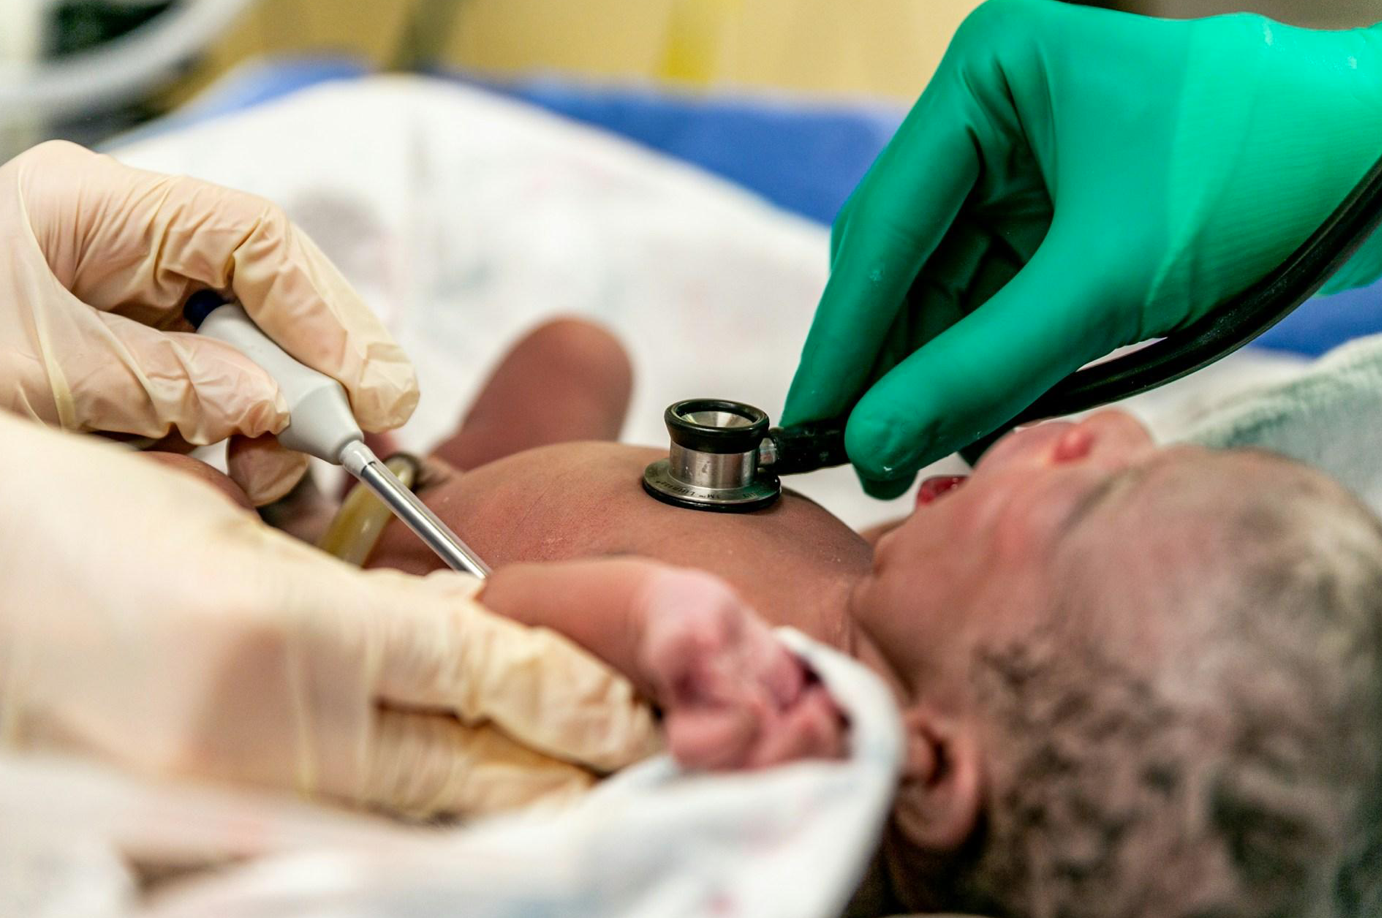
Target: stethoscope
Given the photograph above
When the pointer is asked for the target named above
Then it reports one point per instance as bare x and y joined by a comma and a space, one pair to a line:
724, 456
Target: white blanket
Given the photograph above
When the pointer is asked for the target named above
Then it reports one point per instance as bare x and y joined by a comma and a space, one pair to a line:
791, 841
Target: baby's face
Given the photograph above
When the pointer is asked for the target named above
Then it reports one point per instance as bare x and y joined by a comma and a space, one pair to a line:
974, 564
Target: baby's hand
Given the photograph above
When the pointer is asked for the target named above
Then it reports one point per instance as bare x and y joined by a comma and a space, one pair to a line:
733, 695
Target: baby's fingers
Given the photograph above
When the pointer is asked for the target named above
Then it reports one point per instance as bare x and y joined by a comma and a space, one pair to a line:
713, 738
813, 728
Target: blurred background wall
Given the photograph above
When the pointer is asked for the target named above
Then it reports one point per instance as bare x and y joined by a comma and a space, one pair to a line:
878, 48
881, 50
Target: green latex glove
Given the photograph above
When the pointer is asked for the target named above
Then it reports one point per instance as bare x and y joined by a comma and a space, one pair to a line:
1073, 180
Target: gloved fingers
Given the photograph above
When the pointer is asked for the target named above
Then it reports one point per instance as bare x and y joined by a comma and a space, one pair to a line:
259, 470
173, 442
424, 764
186, 465
883, 236
263, 468
714, 738
142, 381
441, 650
971, 264
886, 488
986, 368
297, 296
812, 727
144, 242
933, 305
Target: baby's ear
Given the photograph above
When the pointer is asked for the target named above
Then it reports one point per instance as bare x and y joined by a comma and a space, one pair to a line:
942, 780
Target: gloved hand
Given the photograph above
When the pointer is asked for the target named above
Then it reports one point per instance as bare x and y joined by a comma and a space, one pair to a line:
98, 261
146, 619
1073, 180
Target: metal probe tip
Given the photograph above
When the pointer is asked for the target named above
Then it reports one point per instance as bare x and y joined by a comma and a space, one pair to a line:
360, 461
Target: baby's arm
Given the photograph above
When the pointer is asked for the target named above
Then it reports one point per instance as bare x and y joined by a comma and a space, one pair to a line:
732, 694
597, 604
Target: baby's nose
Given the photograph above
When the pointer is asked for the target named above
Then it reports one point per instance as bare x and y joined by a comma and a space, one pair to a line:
1105, 435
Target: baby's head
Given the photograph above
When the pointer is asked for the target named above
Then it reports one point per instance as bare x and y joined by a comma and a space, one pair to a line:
1138, 681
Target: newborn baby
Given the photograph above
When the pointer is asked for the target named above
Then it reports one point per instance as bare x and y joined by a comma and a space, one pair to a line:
1134, 680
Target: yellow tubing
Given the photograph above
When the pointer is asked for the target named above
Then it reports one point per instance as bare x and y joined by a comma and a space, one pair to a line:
361, 518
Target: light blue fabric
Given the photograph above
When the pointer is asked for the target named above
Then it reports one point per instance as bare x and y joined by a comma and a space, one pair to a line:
804, 156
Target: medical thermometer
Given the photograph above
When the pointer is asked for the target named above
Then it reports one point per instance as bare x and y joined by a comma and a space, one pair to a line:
320, 423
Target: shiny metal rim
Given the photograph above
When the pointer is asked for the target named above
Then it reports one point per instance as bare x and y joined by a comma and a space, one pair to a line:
762, 491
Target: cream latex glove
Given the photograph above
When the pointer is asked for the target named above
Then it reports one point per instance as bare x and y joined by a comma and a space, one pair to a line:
146, 619
98, 261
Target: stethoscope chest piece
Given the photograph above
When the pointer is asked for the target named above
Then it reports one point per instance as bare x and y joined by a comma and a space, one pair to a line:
714, 462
